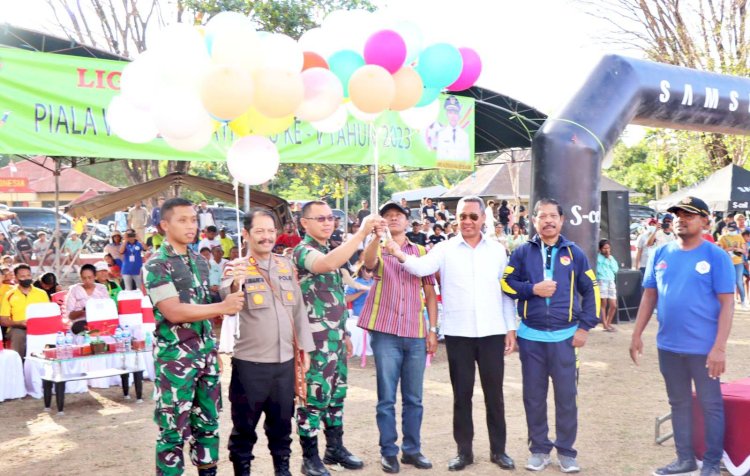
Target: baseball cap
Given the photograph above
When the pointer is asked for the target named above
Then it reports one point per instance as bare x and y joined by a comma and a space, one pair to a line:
732, 226
691, 205
101, 266
393, 205
452, 104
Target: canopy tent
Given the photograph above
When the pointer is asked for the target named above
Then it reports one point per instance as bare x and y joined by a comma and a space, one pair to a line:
418, 194
727, 189
24, 38
103, 205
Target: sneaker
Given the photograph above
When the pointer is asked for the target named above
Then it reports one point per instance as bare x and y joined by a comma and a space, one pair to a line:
677, 467
568, 464
745, 306
538, 461
710, 471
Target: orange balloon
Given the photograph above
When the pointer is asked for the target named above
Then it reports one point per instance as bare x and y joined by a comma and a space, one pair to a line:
372, 89
408, 89
278, 93
313, 60
226, 92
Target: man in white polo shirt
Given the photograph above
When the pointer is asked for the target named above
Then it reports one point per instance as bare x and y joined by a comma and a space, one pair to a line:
479, 324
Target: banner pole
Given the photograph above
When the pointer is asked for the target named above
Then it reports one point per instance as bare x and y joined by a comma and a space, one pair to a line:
237, 208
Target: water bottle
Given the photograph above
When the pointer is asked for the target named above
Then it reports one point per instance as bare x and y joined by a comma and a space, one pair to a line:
60, 344
118, 339
69, 345
126, 338
149, 341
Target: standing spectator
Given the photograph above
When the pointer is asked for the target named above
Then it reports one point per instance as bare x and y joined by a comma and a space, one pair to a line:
733, 243
662, 234
319, 274
441, 219
5, 245
79, 294
500, 235
42, 248
13, 307
503, 216
205, 217
558, 299
47, 283
444, 210
516, 238
71, 248
392, 314
187, 387
24, 247
427, 229
132, 261
217, 255
7, 281
429, 211
234, 253
690, 283
437, 235
479, 324
415, 235
113, 247
154, 241
358, 295
102, 277
79, 225
405, 206
606, 274
645, 251
263, 379
290, 238
227, 243
363, 212
489, 212
336, 237
156, 212
210, 241
741, 220
353, 229
215, 271
121, 220
720, 225
138, 220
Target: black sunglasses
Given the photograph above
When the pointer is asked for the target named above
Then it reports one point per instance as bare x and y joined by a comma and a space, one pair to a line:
471, 216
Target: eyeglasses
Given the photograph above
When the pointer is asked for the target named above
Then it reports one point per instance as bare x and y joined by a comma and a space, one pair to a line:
321, 218
471, 216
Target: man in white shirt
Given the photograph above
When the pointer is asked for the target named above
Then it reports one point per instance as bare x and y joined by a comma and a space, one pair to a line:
205, 216
479, 324
210, 241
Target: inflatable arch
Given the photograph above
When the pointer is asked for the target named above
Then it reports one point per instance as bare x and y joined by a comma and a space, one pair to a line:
569, 148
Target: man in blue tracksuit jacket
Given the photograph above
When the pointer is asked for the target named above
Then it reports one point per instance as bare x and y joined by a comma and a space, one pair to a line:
558, 301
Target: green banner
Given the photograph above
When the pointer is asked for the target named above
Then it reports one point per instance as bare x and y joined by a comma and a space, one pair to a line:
56, 105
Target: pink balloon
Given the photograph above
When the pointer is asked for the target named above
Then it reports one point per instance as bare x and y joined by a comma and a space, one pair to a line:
470, 72
323, 94
386, 48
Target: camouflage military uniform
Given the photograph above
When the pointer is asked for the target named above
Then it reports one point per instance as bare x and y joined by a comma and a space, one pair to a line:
326, 307
186, 387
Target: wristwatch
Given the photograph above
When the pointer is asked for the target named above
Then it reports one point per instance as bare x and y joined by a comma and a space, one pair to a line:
435, 329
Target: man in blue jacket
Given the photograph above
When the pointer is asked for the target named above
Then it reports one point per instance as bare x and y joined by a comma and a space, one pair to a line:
558, 301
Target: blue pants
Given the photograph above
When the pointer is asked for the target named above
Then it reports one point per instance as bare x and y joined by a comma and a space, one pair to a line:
399, 359
679, 371
541, 361
739, 271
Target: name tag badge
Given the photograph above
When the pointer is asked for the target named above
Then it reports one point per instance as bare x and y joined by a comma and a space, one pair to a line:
132, 258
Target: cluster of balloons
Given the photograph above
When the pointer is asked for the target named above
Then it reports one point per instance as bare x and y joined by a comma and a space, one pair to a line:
194, 79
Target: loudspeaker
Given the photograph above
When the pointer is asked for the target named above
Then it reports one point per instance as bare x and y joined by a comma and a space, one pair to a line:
628, 282
615, 225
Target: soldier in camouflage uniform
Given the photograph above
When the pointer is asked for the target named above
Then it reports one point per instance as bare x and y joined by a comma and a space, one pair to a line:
323, 293
186, 386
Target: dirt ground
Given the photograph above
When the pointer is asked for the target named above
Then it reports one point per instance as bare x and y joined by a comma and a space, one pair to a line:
100, 433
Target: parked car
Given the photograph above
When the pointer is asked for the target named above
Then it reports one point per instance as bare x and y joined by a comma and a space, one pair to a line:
33, 220
640, 212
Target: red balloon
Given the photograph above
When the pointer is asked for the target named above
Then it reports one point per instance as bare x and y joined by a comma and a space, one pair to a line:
472, 68
313, 60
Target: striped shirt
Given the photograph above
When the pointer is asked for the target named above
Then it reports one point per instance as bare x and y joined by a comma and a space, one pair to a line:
394, 303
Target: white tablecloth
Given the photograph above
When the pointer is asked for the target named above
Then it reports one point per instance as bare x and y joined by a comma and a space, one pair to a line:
11, 375
34, 370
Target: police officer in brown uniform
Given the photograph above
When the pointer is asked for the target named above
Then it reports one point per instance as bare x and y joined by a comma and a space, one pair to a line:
262, 364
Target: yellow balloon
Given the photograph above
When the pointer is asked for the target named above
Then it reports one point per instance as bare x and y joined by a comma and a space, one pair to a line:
241, 125
252, 122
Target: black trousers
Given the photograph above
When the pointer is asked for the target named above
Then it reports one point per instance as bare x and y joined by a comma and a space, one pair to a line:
487, 353
258, 388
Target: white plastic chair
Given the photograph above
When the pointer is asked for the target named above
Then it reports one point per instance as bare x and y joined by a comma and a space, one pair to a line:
101, 314
11, 374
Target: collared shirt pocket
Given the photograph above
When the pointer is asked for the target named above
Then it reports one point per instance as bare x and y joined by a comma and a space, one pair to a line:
257, 296
288, 295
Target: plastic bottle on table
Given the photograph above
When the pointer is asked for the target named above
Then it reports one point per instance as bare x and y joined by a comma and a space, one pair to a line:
69, 345
118, 339
60, 345
126, 336
149, 341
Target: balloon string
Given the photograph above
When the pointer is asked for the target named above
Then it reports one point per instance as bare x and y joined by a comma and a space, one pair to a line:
376, 158
237, 209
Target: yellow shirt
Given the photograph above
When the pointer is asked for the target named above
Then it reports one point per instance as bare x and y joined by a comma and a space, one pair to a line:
14, 303
79, 224
226, 245
729, 241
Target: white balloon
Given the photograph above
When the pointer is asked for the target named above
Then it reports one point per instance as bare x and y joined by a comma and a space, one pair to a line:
237, 45
318, 41
413, 38
334, 122
280, 52
253, 160
179, 56
130, 123
420, 118
138, 83
359, 114
197, 141
179, 114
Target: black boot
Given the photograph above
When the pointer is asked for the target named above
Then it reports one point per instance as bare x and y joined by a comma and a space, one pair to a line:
311, 464
241, 468
281, 466
336, 453
207, 471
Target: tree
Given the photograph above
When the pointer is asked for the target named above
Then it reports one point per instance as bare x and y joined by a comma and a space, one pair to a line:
707, 35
